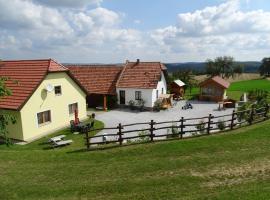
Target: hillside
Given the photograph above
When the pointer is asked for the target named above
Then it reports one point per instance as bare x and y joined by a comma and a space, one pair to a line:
249, 66
233, 165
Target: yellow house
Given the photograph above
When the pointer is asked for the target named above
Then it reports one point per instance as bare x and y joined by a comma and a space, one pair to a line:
44, 97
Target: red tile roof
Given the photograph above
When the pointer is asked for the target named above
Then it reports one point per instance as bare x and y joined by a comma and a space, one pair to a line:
97, 79
144, 75
25, 76
217, 79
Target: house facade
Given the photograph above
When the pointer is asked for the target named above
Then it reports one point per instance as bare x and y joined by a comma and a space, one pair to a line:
214, 89
141, 81
44, 98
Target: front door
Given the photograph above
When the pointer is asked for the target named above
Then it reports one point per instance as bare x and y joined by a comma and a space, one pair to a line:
122, 97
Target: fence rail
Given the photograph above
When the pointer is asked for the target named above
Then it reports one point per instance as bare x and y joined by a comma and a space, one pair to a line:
178, 128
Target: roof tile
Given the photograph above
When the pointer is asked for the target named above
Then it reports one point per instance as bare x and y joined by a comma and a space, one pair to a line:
97, 79
24, 77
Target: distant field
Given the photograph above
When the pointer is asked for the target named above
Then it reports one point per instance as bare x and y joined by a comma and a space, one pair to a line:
242, 77
246, 86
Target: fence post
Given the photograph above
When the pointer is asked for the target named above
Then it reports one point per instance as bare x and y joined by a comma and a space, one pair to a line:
87, 140
120, 139
266, 111
182, 127
232, 121
209, 123
152, 130
251, 115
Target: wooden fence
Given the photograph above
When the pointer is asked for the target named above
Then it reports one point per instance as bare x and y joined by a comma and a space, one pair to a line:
183, 126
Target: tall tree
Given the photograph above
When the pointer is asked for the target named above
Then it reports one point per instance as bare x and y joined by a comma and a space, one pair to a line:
5, 118
223, 66
264, 69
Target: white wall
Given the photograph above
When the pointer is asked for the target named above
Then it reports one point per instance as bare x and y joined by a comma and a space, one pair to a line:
130, 95
161, 84
148, 95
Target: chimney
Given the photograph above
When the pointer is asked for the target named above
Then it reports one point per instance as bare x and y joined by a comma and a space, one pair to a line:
138, 61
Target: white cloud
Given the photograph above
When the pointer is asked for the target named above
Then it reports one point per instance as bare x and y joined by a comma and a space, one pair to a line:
39, 28
217, 30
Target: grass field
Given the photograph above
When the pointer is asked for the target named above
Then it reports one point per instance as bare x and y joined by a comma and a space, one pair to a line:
238, 88
233, 165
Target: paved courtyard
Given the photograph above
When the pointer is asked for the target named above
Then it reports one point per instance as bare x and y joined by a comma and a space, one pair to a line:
126, 116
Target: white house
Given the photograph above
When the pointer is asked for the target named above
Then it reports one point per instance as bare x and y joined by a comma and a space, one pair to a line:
141, 81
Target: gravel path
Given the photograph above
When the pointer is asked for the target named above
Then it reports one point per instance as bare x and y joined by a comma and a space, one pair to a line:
126, 116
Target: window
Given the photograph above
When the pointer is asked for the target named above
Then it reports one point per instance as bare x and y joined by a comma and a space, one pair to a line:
162, 91
157, 94
138, 95
44, 117
72, 108
57, 90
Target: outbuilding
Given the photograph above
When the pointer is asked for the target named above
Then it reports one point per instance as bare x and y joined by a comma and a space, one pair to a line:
214, 89
178, 89
100, 83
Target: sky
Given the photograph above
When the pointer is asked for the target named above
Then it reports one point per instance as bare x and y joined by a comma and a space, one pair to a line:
113, 31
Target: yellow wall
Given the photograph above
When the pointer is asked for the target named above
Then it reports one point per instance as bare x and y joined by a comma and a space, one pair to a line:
14, 130
42, 100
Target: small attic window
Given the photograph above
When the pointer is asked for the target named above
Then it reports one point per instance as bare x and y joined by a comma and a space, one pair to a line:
58, 90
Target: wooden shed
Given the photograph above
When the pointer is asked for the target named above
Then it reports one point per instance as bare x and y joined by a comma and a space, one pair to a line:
178, 88
213, 89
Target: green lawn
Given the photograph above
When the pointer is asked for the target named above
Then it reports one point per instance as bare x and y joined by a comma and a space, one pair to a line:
78, 140
236, 89
234, 165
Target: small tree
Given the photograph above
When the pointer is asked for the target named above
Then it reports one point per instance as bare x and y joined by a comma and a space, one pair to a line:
264, 69
5, 118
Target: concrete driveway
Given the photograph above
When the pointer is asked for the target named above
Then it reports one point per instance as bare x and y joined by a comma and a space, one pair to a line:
126, 116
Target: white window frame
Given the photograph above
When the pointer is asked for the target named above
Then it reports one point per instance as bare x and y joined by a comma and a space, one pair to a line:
73, 112
139, 95
44, 123
60, 89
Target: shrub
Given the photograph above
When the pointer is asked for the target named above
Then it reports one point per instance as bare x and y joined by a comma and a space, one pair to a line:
201, 126
158, 105
140, 104
173, 132
144, 136
221, 125
131, 104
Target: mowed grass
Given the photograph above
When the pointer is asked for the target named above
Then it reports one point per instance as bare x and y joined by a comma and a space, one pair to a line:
238, 88
233, 165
